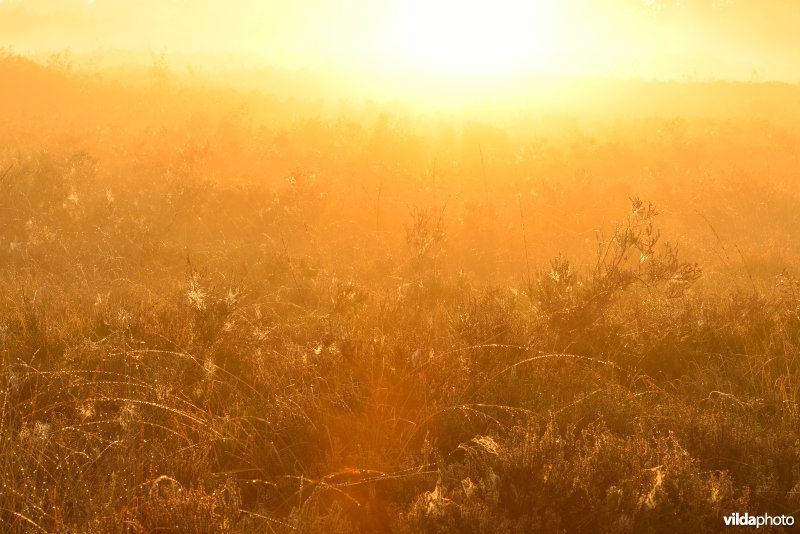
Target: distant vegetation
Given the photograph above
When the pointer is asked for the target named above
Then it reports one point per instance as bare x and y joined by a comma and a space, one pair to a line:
227, 311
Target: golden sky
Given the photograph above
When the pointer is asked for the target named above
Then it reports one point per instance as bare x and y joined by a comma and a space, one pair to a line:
675, 39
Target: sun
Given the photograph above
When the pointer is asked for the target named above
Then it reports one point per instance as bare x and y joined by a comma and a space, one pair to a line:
475, 38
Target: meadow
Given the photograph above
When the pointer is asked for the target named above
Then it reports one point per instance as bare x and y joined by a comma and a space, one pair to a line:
230, 310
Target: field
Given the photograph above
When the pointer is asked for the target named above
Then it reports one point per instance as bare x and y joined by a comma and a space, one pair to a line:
224, 310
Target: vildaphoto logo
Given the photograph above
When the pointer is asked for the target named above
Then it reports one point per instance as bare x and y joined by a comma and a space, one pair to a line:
766, 520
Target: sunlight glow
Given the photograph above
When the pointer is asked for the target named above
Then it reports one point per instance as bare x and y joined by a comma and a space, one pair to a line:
475, 37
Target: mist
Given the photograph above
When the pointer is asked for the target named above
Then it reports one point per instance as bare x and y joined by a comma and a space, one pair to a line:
698, 40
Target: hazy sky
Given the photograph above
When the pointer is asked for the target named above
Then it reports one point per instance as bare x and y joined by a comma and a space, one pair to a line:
679, 39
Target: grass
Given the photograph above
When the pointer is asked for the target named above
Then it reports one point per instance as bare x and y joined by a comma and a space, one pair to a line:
288, 328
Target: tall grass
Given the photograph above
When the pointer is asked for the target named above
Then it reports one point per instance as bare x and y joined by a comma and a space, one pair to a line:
220, 329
